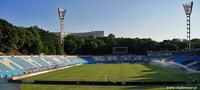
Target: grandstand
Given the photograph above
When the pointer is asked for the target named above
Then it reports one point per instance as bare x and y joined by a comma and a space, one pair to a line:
15, 68
16, 65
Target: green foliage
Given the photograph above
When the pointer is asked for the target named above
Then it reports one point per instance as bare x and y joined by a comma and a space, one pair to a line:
31, 40
138, 46
34, 40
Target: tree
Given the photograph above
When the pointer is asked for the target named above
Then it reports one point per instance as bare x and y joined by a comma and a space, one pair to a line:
70, 47
111, 36
31, 40
34, 40
195, 43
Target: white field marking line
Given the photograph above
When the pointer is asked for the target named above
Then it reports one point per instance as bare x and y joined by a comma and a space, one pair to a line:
42, 72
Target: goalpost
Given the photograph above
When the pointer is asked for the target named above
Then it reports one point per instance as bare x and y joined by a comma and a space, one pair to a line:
120, 50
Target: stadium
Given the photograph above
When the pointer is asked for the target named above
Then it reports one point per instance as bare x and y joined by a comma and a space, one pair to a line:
101, 72
32, 58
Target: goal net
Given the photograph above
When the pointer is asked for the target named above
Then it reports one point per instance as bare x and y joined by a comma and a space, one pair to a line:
120, 50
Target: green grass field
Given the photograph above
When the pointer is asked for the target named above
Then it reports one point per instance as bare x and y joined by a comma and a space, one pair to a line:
73, 87
113, 72
118, 72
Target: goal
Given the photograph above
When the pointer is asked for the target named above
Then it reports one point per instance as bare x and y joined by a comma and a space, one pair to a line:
120, 50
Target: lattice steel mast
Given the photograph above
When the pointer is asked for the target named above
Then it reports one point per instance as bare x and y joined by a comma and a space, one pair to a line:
61, 13
188, 10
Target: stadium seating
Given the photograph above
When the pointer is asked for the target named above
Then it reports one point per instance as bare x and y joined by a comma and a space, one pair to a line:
191, 61
4, 68
10, 65
195, 66
109, 59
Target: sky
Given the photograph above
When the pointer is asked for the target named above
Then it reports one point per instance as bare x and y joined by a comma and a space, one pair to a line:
156, 19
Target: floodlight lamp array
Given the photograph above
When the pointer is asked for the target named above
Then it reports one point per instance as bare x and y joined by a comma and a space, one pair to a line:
188, 8
61, 13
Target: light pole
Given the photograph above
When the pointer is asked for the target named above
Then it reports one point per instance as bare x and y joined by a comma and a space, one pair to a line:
61, 13
188, 10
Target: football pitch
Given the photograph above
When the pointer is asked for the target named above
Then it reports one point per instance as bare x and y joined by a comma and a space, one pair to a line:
111, 72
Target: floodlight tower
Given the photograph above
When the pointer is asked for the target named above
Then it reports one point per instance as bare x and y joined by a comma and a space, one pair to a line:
61, 13
188, 10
